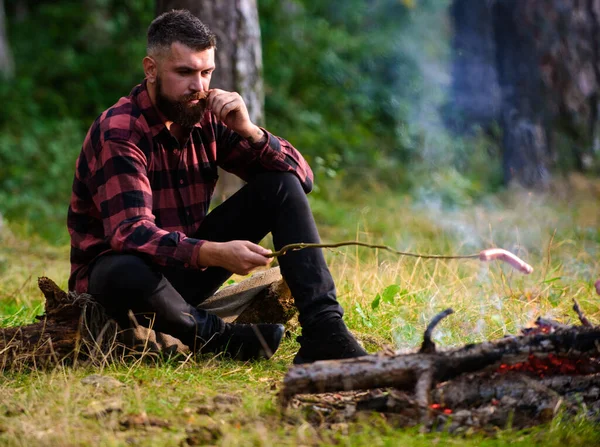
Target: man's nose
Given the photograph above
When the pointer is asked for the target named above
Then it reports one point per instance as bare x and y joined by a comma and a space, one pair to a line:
197, 85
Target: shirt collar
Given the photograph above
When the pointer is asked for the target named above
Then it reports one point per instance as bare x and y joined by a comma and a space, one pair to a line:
141, 98
155, 119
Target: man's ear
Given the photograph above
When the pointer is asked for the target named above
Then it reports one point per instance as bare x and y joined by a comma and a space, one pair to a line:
150, 68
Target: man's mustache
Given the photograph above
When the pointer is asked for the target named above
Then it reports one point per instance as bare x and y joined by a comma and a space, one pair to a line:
200, 96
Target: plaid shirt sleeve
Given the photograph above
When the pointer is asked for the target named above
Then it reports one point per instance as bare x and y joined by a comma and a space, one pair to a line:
124, 198
236, 155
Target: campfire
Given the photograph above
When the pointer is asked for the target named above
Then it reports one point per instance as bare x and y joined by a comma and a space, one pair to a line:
517, 381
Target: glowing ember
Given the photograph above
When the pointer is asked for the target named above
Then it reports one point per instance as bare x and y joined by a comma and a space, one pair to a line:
539, 329
440, 408
552, 365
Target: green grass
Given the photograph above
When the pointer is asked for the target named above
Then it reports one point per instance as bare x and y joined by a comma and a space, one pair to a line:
559, 234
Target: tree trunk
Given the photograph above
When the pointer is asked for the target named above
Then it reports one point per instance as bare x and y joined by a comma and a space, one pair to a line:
525, 141
475, 93
238, 57
566, 36
6, 60
547, 64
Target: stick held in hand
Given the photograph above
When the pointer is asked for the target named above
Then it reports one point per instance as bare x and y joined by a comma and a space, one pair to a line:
490, 254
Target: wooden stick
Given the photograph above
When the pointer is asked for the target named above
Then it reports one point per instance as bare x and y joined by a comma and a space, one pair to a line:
580, 314
302, 245
428, 345
484, 255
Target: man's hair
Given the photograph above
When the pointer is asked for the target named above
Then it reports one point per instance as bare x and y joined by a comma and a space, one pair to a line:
179, 25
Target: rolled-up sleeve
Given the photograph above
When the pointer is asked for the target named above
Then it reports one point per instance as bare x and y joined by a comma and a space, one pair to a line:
236, 155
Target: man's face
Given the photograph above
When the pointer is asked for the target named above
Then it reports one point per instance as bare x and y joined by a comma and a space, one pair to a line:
182, 83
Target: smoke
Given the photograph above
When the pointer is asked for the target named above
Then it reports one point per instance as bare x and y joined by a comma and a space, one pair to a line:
425, 42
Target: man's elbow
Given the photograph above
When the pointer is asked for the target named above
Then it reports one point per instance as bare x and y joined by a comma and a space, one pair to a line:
307, 184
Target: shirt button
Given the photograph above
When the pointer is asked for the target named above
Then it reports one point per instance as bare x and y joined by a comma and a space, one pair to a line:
176, 151
181, 182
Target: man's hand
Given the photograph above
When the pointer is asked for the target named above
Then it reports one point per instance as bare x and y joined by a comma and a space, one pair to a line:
239, 257
230, 108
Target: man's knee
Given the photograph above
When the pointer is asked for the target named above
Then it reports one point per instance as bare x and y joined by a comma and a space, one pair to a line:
122, 272
279, 183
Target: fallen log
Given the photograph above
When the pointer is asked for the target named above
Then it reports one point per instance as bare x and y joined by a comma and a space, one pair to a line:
419, 372
515, 382
53, 337
75, 327
487, 402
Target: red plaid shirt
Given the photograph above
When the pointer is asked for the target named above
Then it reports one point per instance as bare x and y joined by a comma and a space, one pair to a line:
136, 190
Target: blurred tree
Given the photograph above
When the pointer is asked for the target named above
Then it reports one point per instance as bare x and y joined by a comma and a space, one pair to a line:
6, 60
522, 115
475, 93
566, 36
238, 58
547, 63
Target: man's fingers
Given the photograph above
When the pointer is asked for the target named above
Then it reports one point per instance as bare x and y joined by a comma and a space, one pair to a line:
213, 97
242, 257
226, 108
258, 249
218, 100
257, 255
257, 259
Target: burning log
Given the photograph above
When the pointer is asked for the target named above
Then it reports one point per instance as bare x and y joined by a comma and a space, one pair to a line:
533, 374
403, 371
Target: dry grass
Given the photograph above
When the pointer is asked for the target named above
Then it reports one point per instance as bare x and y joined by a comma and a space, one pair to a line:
558, 234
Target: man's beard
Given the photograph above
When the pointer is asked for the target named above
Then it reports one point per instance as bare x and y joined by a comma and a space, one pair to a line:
181, 111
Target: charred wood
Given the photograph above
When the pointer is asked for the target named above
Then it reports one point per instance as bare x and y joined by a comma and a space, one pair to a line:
580, 314
403, 371
428, 346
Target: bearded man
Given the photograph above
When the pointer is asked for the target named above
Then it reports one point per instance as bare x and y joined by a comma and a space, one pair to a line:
142, 239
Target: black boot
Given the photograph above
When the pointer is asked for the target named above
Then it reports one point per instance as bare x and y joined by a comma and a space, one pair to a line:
328, 340
246, 341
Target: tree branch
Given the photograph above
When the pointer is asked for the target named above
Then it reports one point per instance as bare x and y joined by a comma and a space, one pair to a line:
302, 245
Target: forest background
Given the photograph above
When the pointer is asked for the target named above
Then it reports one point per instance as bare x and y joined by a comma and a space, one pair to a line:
364, 89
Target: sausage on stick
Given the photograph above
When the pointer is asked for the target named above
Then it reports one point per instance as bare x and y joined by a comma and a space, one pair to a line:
500, 254
490, 254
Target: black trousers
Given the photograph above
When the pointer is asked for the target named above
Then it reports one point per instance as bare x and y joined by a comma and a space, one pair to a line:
165, 298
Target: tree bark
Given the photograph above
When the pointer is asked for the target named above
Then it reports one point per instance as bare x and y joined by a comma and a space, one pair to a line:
475, 92
566, 36
6, 59
238, 58
525, 140
547, 66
